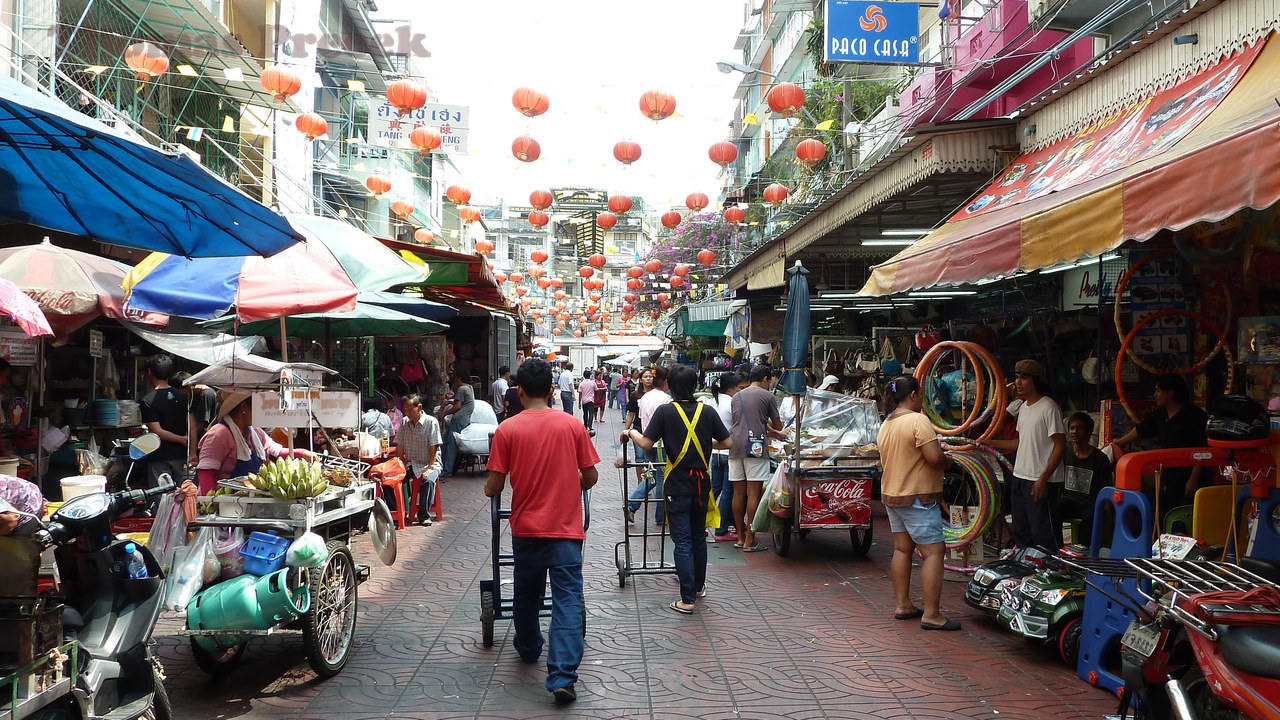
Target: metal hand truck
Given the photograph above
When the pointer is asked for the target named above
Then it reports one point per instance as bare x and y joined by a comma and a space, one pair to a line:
651, 558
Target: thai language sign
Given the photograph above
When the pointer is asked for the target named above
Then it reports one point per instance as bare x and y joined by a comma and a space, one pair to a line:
1135, 132
388, 128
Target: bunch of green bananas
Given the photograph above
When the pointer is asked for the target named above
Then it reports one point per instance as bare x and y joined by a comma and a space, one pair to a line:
290, 479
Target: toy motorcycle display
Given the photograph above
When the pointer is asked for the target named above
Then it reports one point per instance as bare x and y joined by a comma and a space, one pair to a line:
109, 599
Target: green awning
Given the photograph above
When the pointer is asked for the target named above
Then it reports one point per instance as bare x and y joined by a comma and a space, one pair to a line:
698, 328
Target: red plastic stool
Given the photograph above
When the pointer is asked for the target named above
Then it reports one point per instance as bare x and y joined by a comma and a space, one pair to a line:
437, 507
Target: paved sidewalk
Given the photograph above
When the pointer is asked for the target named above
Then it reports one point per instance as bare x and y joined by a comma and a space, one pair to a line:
805, 637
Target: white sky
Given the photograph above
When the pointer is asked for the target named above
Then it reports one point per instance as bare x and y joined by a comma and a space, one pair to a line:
594, 58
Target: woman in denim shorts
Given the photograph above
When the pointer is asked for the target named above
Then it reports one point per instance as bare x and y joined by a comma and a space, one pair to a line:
912, 462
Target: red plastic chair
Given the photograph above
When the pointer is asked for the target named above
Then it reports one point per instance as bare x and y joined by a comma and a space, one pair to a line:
391, 474
437, 507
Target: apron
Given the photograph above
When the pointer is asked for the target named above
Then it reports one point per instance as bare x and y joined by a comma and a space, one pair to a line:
690, 438
252, 465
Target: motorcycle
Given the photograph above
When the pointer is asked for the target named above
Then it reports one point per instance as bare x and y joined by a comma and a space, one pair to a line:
112, 590
1206, 643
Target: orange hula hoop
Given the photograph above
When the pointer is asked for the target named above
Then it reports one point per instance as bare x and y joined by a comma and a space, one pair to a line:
1205, 324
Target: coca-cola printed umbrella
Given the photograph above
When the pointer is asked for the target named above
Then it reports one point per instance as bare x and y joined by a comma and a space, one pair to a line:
71, 287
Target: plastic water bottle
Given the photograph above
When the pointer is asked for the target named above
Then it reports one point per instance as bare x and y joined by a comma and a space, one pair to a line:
137, 564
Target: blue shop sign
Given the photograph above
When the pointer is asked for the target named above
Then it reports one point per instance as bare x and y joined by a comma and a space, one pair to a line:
863, 31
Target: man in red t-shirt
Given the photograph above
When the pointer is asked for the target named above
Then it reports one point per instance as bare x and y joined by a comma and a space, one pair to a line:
551, 462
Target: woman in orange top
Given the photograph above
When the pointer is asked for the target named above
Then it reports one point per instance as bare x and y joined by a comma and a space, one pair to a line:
912, 462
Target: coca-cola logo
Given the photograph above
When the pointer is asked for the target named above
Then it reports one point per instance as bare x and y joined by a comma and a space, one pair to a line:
62, 302
838, 491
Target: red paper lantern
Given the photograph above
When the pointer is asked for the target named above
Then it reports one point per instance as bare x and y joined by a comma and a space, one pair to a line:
676, 282
629, 297
663, 297
734, 214
537, 218
635, 271
311, 125
775, 194
516, 277
666, 305
604, 336
538, 256
585, 272
653, 266
671, 218
402, 208
595, 296
786, 99
626, 151
377, 185
606, 220
628, 307
536, 272
425, 139
597, 260
530, 102
706, 257
457, 194
406, 95
723, 153
484, 247
544, 283
146, 61
541, 199
521, 290
696, 201
281, 82
577, 333
681, 270
620, 204
657, 105
810, 151
557, 282
500, 277
468, 214
634, 284
593, 308
424, 236
526, 149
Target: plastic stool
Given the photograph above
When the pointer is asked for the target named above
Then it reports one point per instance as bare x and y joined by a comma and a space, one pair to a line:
437, 507
1181, 515
391, 474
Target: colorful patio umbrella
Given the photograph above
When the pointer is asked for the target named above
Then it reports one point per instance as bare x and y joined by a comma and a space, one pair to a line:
69, 172
70, 287
365, 320
409, 305
795, 331
22, 310
323, 274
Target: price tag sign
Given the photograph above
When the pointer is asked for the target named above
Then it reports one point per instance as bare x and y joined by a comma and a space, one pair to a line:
95, 343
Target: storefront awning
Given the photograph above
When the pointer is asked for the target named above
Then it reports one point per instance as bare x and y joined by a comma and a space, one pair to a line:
1228, 161
456, 276
715, 310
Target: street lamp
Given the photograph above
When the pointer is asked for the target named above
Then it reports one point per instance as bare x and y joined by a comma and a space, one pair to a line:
728, 66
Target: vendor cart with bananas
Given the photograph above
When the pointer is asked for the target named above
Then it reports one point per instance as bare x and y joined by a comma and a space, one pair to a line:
828, 469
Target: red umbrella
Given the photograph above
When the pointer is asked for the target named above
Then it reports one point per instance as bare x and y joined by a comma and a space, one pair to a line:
22, 310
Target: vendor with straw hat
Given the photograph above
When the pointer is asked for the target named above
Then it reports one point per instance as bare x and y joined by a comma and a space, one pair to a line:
233, 447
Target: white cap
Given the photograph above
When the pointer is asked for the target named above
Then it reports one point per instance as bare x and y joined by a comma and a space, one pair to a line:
828, 381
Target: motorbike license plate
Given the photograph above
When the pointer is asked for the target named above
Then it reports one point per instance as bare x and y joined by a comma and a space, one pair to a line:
1140, 638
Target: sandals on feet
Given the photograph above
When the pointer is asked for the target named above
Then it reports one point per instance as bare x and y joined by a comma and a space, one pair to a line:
909, 615
755, 548
682, 610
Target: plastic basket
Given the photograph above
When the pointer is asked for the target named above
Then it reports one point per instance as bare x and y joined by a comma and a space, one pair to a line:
264, 553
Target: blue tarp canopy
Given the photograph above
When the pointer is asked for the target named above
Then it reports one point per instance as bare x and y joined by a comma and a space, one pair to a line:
62, 170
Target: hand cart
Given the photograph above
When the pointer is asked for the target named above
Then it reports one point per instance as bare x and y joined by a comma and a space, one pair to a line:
651, 557
831, 470
328, 624
493, 605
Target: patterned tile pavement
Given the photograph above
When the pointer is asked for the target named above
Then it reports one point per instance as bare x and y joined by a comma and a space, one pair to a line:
807, 637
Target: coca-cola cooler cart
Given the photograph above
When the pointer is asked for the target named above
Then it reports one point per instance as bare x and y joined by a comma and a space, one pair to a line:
832, 466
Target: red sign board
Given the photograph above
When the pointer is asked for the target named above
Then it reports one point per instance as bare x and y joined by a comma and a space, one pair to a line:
846, 501
1135, 132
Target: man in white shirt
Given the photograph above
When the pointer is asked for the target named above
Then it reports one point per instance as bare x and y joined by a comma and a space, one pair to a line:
565, 383
1037, 468
418, 444
498, 392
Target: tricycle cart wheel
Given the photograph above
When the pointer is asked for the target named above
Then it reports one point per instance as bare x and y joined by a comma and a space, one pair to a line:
1069, 641
160, 708
329, 626
487, 612
861, 538
216, 662
782, 536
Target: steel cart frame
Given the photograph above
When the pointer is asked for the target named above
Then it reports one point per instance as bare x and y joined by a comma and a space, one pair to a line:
653, 537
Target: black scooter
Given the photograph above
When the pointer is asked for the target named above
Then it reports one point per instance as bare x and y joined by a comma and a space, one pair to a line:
109, 614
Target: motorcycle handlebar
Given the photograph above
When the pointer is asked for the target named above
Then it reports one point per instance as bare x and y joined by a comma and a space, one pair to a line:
52, 534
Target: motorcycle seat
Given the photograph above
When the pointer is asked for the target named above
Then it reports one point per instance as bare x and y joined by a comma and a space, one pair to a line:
1254, 649
1264, 567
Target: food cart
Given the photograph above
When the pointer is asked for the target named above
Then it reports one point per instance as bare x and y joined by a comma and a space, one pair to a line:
831, 466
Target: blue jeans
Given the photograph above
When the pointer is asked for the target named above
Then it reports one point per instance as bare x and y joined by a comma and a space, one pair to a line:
723, 491
647, 486
426, 492
686, 521
612, 397
449, 449
567, 399
536, 559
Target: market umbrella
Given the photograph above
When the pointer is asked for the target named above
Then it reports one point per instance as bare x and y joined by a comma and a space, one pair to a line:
795, 331
365, 320
69, 286
409, 305
322, 275
22, 310
63, 170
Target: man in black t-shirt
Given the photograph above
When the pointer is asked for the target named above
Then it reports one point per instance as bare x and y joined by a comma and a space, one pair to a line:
1174, 423
164, 412
1087, 471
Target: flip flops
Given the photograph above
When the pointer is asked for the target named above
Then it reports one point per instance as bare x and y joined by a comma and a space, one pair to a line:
909, 615
683, 611
755, 548
948, 625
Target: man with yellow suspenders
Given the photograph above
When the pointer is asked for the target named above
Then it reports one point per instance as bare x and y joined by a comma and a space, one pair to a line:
683, 424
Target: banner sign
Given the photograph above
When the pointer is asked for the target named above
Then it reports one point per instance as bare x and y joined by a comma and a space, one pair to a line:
841, 502
332, 408
883, 33
1135, 132
387, 128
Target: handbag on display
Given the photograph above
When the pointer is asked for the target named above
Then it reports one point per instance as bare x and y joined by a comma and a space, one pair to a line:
833, 364
927, 338
890, 365
413, 371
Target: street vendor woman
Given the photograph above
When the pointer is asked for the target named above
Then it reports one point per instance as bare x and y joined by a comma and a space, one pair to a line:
233, 446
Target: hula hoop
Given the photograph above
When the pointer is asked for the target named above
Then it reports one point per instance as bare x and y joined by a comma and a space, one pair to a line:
1120, 331
1205, 325
986, 369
